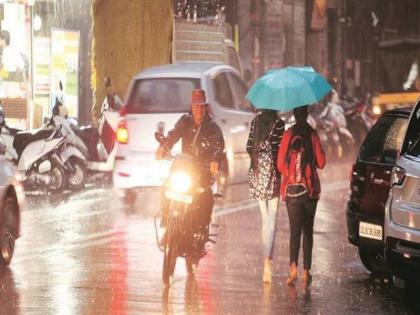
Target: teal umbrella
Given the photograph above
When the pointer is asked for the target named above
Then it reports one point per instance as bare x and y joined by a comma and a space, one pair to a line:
287, 88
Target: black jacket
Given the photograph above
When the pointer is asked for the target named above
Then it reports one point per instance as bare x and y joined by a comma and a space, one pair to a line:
209, 146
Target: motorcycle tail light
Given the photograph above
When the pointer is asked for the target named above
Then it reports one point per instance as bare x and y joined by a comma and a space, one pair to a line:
398, 176
122, 132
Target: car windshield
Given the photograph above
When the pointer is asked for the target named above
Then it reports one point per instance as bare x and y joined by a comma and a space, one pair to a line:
384, 140
162, 95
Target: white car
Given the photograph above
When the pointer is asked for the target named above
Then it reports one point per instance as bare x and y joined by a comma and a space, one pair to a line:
402, 213
157, 98
11, 201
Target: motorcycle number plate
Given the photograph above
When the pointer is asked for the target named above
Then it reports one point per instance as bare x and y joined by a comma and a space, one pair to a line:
178, 197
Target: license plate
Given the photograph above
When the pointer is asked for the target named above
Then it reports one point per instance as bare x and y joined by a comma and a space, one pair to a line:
178, 197
369, 230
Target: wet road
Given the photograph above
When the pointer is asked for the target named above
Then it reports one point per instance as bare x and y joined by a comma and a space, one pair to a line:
86, 254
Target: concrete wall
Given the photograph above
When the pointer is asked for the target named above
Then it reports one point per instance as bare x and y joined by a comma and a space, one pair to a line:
128, 36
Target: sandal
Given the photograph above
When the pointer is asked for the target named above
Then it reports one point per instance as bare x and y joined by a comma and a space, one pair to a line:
307, 279
291, 279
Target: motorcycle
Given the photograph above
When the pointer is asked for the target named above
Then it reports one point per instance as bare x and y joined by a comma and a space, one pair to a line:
331, 125
84, 151
36, 154
39, 161
359, 121
8, 134
109, 117
184, 237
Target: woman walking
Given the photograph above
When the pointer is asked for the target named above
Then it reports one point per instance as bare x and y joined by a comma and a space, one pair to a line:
299, 156
262, 146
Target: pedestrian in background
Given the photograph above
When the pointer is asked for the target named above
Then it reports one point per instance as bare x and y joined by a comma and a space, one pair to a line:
299, 156
264, 179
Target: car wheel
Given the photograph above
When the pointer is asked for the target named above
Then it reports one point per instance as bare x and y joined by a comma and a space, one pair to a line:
77, 177
374, 261
8, 230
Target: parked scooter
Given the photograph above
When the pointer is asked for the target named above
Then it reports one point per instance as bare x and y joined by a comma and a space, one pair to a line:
332, 129
109, 117
39, 161
36, 154
8, 134
83, 152
359, 121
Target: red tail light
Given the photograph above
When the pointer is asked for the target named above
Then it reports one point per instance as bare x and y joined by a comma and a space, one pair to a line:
122, 132
397, 176
123, 111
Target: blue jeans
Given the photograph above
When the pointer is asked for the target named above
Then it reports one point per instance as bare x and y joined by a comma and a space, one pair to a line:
269, 209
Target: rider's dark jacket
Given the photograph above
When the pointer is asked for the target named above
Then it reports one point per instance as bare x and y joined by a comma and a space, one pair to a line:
209, 145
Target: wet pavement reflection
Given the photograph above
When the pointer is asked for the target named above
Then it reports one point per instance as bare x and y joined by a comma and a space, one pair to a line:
88, 254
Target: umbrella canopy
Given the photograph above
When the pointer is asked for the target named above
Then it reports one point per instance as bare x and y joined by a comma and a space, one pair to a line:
288, 88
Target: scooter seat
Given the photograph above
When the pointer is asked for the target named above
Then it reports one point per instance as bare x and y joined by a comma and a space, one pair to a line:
13, 131
90, 137
23, 138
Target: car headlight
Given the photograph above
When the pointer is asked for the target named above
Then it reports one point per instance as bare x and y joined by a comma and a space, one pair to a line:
180, 182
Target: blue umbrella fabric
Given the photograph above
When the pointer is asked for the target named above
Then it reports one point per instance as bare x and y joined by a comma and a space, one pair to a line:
288, 88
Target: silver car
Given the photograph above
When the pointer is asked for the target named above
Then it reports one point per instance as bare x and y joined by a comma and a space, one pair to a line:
402, 214
157, 98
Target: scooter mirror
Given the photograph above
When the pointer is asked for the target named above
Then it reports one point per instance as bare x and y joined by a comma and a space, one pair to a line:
61, 85
159, 137
107, 81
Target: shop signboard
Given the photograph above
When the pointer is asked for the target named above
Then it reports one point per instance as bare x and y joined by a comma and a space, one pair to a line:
14, 50
64, 68
41, 68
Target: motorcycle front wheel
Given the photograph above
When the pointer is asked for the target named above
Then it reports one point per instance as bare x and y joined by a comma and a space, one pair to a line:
169, 261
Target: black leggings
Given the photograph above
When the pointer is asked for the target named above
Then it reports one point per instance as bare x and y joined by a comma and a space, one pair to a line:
301, 218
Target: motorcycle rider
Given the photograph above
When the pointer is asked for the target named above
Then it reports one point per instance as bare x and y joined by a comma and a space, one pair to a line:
202, 138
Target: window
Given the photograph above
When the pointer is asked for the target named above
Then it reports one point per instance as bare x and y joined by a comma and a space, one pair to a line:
163, 95
240, 90
384, 140
223, 94
412, 142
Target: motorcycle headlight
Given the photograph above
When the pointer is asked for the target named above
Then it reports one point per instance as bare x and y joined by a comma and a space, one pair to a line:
180, 182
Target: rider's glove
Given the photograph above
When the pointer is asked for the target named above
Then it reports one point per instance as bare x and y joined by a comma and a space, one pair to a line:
160, 153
